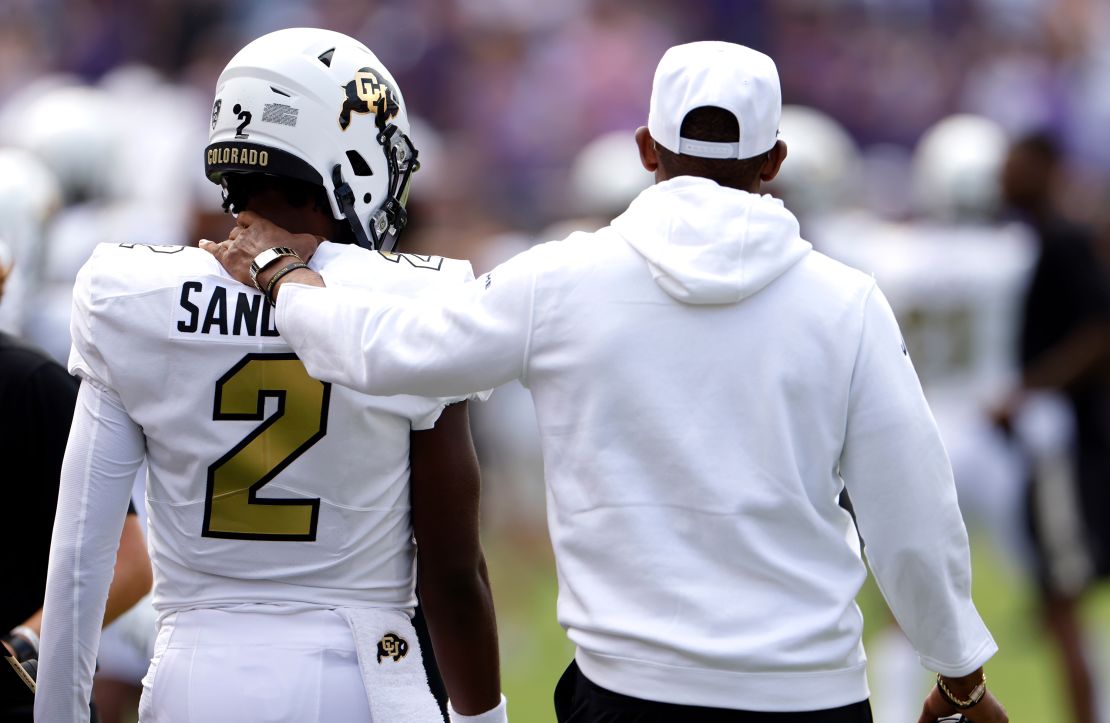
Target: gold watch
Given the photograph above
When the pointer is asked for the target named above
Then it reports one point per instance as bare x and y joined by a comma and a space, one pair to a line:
973, 698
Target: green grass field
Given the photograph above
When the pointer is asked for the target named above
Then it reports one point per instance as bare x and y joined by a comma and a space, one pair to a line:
535, 651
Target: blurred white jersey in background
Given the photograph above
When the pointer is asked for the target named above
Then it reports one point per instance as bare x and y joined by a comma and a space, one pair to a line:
957, 291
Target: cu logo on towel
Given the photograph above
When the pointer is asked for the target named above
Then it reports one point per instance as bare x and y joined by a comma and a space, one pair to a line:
393, 646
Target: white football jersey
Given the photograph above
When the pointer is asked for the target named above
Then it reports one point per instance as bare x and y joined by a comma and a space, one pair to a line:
264, 485
957, 293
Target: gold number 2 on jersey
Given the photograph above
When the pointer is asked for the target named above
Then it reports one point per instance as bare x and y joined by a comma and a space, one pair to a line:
232, 508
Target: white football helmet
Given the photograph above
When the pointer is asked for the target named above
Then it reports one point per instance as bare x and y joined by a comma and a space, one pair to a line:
957, 166
822, 161
75, 130
607, 175
318, 106
28, 189
29, 198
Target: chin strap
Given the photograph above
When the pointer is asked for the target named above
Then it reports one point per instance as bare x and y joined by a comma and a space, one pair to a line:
345, 197
387, 223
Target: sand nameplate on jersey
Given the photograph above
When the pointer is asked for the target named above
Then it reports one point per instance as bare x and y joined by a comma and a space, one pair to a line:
213, 309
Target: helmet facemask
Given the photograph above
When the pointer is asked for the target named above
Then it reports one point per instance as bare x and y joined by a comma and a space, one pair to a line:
387, 223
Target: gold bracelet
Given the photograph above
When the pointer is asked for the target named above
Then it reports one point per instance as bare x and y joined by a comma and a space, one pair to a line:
977, 693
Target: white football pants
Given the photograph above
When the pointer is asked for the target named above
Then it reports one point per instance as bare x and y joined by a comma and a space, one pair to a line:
212, 666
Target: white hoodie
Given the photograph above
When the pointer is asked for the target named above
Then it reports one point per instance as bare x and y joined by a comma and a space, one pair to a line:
705, 385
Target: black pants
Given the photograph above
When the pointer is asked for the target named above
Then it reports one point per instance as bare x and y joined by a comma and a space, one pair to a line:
578, 700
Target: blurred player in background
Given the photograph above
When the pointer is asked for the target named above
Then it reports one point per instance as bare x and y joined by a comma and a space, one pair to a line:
820, 180
955, 278
80, 148
87, 136
282, 509
89, 154
30, 197
36, 404
605, 177
1065, 349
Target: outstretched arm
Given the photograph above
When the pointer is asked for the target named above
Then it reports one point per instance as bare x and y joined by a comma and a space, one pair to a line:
451, 569
454, 341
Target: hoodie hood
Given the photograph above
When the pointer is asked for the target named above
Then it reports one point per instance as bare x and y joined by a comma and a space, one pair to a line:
708, 244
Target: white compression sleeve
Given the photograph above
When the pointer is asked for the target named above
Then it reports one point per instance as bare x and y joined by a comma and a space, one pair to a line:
497, 714
105, 449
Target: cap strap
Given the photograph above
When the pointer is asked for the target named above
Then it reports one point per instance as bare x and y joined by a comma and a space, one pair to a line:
708, 149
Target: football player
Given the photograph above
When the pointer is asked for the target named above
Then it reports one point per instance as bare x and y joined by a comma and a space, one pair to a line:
955, 278
29, 198
36, 403
282, 510
79, 149
821, 179
1065, 355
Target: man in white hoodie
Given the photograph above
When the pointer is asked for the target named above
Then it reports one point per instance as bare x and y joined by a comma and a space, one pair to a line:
706, 385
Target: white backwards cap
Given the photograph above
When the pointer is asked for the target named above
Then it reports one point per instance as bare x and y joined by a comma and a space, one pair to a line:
740, 80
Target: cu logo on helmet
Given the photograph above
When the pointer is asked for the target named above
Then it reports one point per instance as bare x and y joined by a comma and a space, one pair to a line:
368, 93
393, 646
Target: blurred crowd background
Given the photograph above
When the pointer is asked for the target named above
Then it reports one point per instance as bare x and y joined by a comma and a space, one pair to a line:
900, 117
514, 88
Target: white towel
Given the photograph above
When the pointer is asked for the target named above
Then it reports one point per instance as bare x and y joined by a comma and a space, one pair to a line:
392, 666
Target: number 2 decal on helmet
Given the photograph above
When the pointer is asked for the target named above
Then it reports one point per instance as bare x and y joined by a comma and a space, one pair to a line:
243, 115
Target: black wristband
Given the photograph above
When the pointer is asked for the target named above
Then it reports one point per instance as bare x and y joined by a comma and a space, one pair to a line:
281, 272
